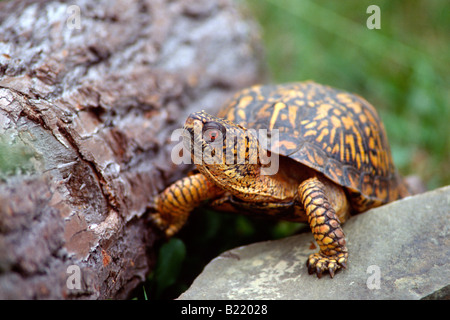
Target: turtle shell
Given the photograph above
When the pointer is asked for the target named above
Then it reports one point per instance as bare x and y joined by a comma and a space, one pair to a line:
334, 132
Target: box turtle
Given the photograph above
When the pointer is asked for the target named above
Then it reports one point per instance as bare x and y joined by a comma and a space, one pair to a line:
333, 161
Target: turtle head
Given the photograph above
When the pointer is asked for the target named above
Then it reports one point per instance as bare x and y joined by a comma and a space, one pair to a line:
225, 152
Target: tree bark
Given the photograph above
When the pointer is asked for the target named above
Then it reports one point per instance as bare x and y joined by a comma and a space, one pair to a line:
88, 101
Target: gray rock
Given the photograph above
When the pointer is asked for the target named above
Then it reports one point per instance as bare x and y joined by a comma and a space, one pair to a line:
398, 251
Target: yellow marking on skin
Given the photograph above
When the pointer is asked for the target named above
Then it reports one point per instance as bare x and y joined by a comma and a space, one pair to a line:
361, 153
347, 156
310, 133
318, 201
241, 114
371, 143
276, 110
287, 144
323, 133
196, 184
332, 135
322, 111
344, 98
334, 224
348, 122
358, 161
367, 188
311, 125
308, 201
310, 158
230, 115
323, 123
374, 160
320, 220
341, 146
333, 175
349, 140
335, 122
171, 200
320, 212
244, 102
355, 106
194, 192
370, 117
323, 229
292, 115
362, 118
187, 194
350, 178
265, 112
382, 192
335, 149
318, 159
178, 195
299, 93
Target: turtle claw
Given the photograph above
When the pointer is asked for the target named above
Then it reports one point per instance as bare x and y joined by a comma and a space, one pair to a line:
320, 263
331, 270
319, 272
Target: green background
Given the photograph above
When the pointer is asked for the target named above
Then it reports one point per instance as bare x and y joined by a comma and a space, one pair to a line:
402, 69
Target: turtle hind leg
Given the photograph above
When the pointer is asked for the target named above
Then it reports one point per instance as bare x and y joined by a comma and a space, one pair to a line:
325, 226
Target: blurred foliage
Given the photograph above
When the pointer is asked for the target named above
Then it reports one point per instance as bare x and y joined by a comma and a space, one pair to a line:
169, 262
16, 158
206, 235
402, 69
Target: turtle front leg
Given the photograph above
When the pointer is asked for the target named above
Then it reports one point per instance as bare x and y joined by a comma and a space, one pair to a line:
174, 204
325, 225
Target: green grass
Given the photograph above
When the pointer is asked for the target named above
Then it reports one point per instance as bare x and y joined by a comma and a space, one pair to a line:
402, 69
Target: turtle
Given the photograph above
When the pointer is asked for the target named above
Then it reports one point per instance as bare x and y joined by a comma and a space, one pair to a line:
333, 161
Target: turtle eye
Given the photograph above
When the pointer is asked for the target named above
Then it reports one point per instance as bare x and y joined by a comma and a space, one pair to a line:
213, 132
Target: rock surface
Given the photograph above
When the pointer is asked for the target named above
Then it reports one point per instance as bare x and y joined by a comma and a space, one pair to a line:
398, 251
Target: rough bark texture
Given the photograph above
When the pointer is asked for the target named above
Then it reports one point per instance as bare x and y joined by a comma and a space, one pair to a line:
91, 110
399, 251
